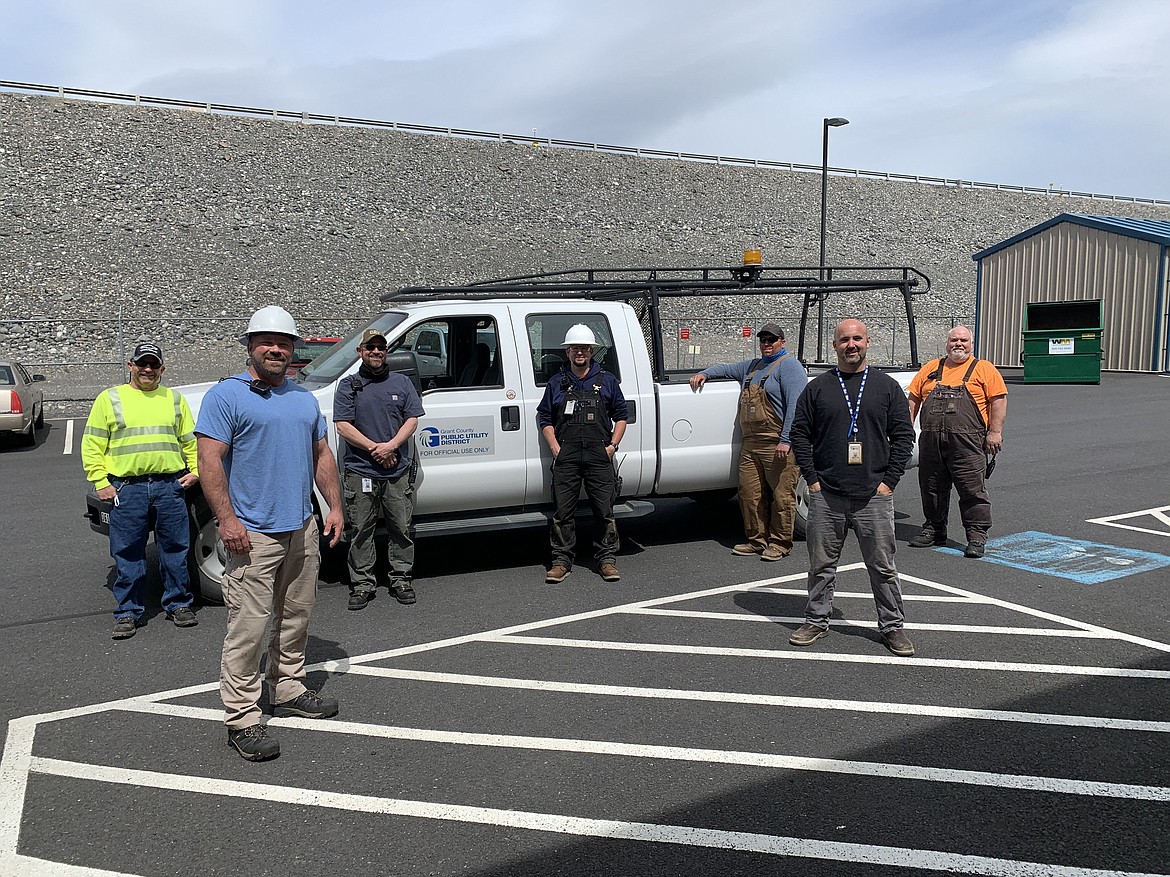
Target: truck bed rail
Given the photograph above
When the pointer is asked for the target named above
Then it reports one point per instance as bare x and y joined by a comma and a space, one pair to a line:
646, 286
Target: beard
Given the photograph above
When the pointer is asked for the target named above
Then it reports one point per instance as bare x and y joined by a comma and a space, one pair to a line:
267, 366
958, 356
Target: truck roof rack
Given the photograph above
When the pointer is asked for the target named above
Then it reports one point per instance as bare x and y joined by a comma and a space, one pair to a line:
649, 285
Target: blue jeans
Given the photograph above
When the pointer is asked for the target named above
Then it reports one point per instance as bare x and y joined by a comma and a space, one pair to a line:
830, 518
130, 525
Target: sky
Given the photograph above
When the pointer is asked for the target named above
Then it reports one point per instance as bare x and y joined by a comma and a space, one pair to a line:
1068, 94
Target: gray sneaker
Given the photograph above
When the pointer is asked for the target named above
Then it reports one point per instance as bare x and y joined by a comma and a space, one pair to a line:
308, 704
807, 634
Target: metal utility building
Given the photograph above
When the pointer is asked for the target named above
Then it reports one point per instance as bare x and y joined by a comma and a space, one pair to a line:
1077, 257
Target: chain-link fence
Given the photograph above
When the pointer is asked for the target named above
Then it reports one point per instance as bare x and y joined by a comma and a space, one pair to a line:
82, 356
695, 342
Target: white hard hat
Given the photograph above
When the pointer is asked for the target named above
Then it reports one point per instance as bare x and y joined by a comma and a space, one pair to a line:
271, 318
579, 334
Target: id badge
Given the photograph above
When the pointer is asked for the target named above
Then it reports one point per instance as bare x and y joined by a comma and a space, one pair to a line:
570, 407
855, 453
367, 485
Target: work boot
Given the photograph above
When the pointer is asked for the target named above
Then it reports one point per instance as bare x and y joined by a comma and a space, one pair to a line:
309, 704
183, 617
898, 643
927, 539
403, 592
609, 572
556, 575
359, 599
745, 549
253, 743
124, 628
807, 634
973, 549
773, 553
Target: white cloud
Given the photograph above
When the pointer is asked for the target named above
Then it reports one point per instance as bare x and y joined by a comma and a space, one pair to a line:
1031, 92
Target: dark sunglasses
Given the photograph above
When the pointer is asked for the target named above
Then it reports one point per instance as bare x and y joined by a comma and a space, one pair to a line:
768, 339
148, 363
375, 346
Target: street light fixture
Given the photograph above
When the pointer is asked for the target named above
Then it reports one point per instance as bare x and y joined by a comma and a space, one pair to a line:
835, 122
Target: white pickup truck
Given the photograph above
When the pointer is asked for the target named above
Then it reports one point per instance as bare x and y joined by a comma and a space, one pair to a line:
482, 464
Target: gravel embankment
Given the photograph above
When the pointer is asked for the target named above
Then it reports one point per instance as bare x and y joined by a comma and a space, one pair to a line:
119, 223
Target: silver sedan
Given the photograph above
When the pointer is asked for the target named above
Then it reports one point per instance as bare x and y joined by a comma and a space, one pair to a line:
22, 402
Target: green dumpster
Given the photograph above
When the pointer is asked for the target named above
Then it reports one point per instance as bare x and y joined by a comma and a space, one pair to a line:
1062, 342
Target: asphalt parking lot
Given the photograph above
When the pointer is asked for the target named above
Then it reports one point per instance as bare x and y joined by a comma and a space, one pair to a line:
658, 726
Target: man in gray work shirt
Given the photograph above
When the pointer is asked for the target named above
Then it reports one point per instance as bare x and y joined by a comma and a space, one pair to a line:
376, 411
767, 470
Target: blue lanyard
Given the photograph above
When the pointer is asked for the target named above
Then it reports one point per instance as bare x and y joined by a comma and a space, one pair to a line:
853, 412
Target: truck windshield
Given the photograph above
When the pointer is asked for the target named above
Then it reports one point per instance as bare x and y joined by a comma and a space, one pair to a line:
329, 368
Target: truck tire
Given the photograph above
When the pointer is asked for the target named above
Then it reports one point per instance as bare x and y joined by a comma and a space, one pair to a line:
800, 524
713, 500
207, 556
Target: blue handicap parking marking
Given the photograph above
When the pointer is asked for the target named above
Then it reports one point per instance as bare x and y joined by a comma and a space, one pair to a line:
1086, 562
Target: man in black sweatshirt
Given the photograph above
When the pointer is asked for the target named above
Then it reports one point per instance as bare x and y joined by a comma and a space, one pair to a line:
852, 437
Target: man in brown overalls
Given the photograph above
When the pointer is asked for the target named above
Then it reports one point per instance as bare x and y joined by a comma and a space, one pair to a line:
963, 401
767, 470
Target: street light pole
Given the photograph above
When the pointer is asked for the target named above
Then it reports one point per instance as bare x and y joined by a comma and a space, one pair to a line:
835, 122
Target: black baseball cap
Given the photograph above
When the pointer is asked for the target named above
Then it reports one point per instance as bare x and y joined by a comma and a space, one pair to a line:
770, 329
146, 348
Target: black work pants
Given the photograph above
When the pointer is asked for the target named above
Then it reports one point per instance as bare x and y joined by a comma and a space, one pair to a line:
600, 489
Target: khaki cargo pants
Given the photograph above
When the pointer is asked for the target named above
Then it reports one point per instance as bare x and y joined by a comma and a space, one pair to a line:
276, 581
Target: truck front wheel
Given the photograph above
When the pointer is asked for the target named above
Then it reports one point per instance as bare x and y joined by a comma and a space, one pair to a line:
800, 525
207, 556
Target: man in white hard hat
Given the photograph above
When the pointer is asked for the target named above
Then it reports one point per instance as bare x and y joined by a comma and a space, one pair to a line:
262, 444
583, 418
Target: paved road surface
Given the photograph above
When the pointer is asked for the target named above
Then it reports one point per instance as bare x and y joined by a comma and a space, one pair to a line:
659, 726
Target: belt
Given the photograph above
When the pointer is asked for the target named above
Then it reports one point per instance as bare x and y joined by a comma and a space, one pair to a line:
142, 479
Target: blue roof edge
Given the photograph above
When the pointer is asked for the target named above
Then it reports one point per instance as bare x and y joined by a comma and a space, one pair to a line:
1154, 230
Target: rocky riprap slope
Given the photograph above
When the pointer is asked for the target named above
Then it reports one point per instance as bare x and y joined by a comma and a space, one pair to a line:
120, 222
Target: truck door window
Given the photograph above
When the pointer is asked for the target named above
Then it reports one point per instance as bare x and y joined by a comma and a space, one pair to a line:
456, 352
546, 333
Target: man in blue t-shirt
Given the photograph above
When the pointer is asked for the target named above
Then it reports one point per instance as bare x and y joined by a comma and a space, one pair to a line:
376, 411
262, 444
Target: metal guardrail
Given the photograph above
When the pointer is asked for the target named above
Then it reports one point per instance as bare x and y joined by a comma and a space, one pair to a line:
355, 121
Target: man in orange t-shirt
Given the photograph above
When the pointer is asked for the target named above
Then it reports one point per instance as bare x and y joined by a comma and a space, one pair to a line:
963, 401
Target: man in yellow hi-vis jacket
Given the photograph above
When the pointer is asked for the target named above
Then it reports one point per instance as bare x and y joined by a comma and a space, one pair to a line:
139, 452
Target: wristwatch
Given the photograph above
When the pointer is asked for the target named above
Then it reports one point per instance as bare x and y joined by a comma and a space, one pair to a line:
612, 445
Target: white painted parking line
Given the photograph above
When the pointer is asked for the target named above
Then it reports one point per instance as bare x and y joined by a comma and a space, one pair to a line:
1159, 525
1047, 616
867, 595
18, 762
847, 622
769, 760
778, 700
68, 437
790, 655
579, 826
